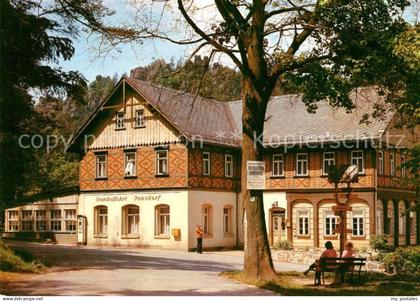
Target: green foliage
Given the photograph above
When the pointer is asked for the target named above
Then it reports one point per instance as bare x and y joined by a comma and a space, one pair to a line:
405, 260
379, 243
283, 245
198, 75
18, 261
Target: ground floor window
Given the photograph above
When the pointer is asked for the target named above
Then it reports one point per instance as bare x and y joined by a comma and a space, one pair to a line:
70, 219
207, 216
41, 225
227, 220
27, 226
13, 226
358, 223
131, 220
101, 220
303, 222
56, 226
330, 222
162, 220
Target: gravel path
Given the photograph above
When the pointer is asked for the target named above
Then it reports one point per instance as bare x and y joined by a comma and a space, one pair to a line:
116, 271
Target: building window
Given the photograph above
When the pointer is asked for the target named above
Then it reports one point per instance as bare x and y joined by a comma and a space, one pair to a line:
139, 121
357, 159
401, 219
278, 165
131, 220
70, 219
390, 219
13, 220
27, 226
101, 221
41, 220
303, 222
392, 164
302, 164
228, 166
358, 223
130, 164
161, 162
227, 220
26, 214
330, 222
381, 163
55, 220
207, 215
101, 166
403, 168
328, 159
119, 121
162, 220
379, 220
206, 164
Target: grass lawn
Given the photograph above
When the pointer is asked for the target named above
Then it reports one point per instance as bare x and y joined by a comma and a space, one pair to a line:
296, 284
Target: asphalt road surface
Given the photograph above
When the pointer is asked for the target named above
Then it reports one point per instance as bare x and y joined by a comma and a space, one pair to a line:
90, 271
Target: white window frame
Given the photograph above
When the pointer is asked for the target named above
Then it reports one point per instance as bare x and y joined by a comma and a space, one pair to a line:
139, 120
162, 219
56, 219
227, 220
101, 221
101, 167
131, 220
25, 224
70, 220
392, 164
207, 219
13, 216
134, 161
403, 168
381, 162
119, 121
25, 215
41, 219
304, 215
228, 166
360, 230
303, 162
379, 221
330, 223
324, 160
356, 159
206, 164
401, 223
278, 161
164, 158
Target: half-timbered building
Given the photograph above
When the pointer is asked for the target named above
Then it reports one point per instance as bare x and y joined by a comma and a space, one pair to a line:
154, 162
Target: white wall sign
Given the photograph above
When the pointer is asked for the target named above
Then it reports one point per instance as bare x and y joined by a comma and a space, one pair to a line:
255, 175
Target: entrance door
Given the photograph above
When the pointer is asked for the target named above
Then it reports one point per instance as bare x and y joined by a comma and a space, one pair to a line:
277, 220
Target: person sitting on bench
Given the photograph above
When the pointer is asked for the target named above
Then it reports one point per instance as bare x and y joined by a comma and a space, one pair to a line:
329, 252
348, 252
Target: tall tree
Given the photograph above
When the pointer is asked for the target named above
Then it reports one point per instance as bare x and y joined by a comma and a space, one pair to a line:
34, 36
324, 48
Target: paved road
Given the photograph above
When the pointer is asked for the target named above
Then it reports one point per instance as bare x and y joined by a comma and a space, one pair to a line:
99, 271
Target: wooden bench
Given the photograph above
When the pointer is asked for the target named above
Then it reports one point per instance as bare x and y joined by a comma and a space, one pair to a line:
342, 265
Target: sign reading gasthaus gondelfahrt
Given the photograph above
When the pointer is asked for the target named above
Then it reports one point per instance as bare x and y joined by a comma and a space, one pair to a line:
255, 175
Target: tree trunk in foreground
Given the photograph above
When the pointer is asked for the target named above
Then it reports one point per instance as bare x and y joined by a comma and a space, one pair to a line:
258, 263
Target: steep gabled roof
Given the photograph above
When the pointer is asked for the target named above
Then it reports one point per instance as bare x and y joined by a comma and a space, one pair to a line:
287, 120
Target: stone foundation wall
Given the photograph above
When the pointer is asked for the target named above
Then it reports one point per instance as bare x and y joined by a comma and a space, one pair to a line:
309, 255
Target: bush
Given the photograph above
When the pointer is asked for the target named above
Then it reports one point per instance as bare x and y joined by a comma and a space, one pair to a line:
405, 260
380, 243
283, 245
24, 254
10, 261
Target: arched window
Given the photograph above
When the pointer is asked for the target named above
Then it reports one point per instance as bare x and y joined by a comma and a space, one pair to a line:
379, 217
227, 220
101, 220
131, 220
162, 224
401, 218
207, 219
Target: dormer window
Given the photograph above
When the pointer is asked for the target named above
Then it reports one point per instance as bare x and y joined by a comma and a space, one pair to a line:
119, 119
139, 120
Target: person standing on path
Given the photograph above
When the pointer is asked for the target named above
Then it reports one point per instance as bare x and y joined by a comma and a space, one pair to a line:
199, 235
